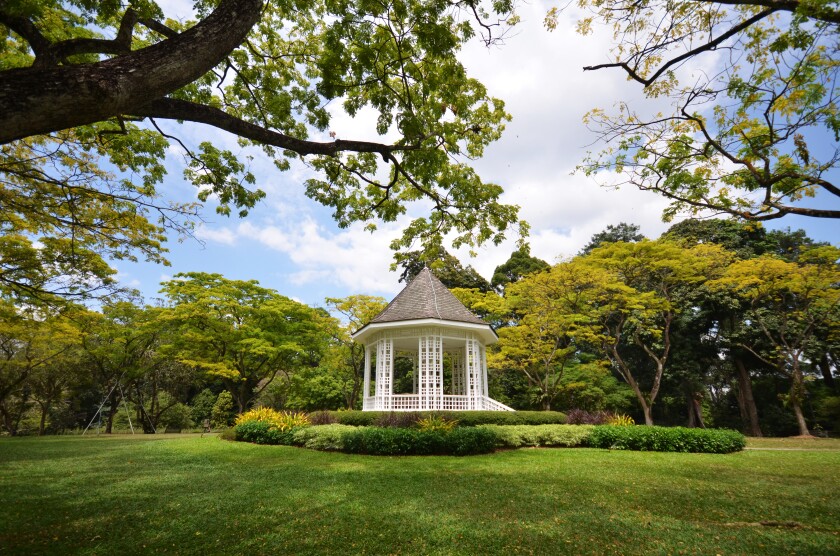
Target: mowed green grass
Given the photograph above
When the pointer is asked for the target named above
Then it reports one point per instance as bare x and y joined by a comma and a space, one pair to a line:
193, 495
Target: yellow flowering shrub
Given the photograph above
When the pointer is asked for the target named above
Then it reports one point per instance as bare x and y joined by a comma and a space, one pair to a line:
436, 423
281, 420
621, 420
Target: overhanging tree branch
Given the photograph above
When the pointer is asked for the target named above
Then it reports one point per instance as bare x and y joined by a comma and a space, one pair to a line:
67, 96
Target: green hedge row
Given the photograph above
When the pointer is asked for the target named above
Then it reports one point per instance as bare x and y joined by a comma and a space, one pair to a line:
485, 438
667, 439
461, 441
517, 436
464, 418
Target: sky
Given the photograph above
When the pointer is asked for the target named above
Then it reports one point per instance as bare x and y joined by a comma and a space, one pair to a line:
291, 244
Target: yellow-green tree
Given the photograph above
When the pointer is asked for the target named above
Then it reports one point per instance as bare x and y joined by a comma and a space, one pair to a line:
638, 308
556, 321
239, 332
346, 356
793, 306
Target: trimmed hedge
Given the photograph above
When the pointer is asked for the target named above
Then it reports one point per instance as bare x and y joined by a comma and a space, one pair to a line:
322, 437
462, 441
516, 436
667, 439
464, 418
261, 432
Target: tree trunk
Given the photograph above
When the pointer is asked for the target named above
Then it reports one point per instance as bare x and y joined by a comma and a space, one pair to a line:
746, 401
112, 411
695, 410
41, 100
797, 393
648, 413
45, 409
825, 368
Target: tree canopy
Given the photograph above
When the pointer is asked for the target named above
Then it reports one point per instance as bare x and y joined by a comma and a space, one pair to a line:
753, 128
86, 121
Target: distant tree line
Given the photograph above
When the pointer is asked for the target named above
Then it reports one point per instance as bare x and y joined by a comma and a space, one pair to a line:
716, 323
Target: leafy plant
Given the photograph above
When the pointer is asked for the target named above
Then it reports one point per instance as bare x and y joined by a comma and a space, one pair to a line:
222, 413
281, 420
436, 423
398, 419
667, 439
621, 420
516, 436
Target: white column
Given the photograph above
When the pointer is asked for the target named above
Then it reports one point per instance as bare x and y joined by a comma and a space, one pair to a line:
473, 365
484, 369
366, 386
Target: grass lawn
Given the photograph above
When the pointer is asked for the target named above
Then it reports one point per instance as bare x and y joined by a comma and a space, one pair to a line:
192, 495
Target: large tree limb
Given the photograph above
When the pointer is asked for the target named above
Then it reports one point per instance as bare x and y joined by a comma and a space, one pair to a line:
174, 109
35, 101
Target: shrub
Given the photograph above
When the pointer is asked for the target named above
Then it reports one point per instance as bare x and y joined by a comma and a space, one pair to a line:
404, 441
667, 439
222, 413
436, 423
282, 420
516, 436
583, 417
322, 437
261, 432
464, 418
397, 419
202, 406
621, 420
322, 418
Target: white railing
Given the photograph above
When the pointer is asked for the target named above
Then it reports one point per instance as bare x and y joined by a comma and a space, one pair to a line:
411, 402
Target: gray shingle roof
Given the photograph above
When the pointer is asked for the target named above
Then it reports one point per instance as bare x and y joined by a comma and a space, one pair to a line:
426, 297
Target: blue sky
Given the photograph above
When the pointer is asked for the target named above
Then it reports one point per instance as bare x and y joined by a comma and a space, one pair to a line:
291, 244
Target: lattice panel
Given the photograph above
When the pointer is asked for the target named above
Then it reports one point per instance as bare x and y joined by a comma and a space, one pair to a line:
384, 373
459, 379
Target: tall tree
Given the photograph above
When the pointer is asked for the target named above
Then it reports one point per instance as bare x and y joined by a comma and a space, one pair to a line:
755, 135
556, 323
520, 264
239, 332
628, 233
85, 123
446, 267
640, 312
789, 304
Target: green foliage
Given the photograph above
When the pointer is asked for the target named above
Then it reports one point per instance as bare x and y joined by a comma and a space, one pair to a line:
517, 436
262, 432
177, 417
202, 406
464, 418
446, 267
272, 88
239, 332
621, 420
623, 232
461, 441
322, 437
281, 420
519, 265
436, 422
746, 140
222, 414
667, 439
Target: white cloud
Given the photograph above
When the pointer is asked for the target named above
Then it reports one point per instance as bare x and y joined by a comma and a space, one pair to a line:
352, 258
225, 236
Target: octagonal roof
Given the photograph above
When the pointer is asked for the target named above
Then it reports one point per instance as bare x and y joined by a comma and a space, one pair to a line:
424, 298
